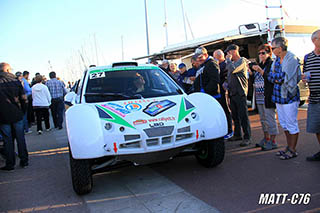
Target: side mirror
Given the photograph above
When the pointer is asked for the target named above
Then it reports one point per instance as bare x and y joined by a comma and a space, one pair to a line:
69, 99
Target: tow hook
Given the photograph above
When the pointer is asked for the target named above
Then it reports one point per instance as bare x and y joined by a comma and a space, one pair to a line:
105, 147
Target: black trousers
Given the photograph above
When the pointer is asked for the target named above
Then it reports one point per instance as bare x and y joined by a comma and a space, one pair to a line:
240, 116
57, 107
42, 113
223, 103
30, 112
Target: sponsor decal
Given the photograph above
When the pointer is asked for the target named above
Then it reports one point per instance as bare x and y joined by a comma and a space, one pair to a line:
138, 122
114, 117
185, 108
163, 119
140, 101
153, 120
120, 110
156, 124
158, 107
197, 134
133, 107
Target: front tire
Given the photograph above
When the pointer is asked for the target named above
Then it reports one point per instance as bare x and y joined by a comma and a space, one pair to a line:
81, 175
211, 152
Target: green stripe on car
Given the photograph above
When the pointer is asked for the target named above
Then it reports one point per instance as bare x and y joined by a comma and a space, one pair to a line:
122, 69
183, 112
116, 118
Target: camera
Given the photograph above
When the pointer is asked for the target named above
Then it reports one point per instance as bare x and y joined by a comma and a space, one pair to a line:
251, 65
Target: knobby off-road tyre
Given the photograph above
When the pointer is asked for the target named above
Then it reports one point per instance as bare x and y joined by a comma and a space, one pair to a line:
211, 152
81, 175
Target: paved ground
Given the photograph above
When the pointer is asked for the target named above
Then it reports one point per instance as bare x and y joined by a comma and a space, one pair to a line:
181, 185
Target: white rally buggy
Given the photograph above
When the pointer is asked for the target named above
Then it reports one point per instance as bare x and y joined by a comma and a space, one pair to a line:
137, 114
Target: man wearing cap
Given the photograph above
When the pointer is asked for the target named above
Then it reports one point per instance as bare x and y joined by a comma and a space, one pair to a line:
207, 77
238, 90
184, 78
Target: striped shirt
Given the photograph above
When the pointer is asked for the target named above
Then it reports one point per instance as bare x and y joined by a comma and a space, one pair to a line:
312, 65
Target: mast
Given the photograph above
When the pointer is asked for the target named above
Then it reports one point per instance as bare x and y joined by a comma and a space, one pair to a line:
147, 30
95, 44
165, 22
122, 48
184, 21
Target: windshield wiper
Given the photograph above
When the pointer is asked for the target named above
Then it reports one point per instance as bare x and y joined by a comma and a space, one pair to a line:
113, 95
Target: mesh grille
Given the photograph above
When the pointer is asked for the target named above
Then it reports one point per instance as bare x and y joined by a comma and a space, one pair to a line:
159, 131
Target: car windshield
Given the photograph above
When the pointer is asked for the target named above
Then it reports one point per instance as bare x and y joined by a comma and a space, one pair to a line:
128, 83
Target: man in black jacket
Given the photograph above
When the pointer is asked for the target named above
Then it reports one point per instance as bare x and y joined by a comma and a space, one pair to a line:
13, 104
208, 76
238, 89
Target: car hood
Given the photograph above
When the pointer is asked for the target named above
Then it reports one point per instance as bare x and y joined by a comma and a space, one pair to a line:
143, 113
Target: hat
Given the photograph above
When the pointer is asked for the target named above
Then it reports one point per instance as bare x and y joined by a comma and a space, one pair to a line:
231, 47
200, 51
181, 65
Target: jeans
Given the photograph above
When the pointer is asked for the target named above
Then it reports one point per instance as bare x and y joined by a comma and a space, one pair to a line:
25, 122
42, 113
57, 107
7, 133
239, 111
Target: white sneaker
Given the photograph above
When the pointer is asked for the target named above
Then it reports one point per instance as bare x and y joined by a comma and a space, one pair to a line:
48, 130
29, 132
39, 132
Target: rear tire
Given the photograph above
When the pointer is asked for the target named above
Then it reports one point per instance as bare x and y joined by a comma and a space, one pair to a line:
81, 175
211, 152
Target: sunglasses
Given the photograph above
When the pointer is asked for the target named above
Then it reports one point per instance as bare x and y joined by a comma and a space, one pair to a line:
262, 53
273, 48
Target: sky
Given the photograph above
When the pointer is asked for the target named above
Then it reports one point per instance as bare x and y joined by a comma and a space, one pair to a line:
37, 31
